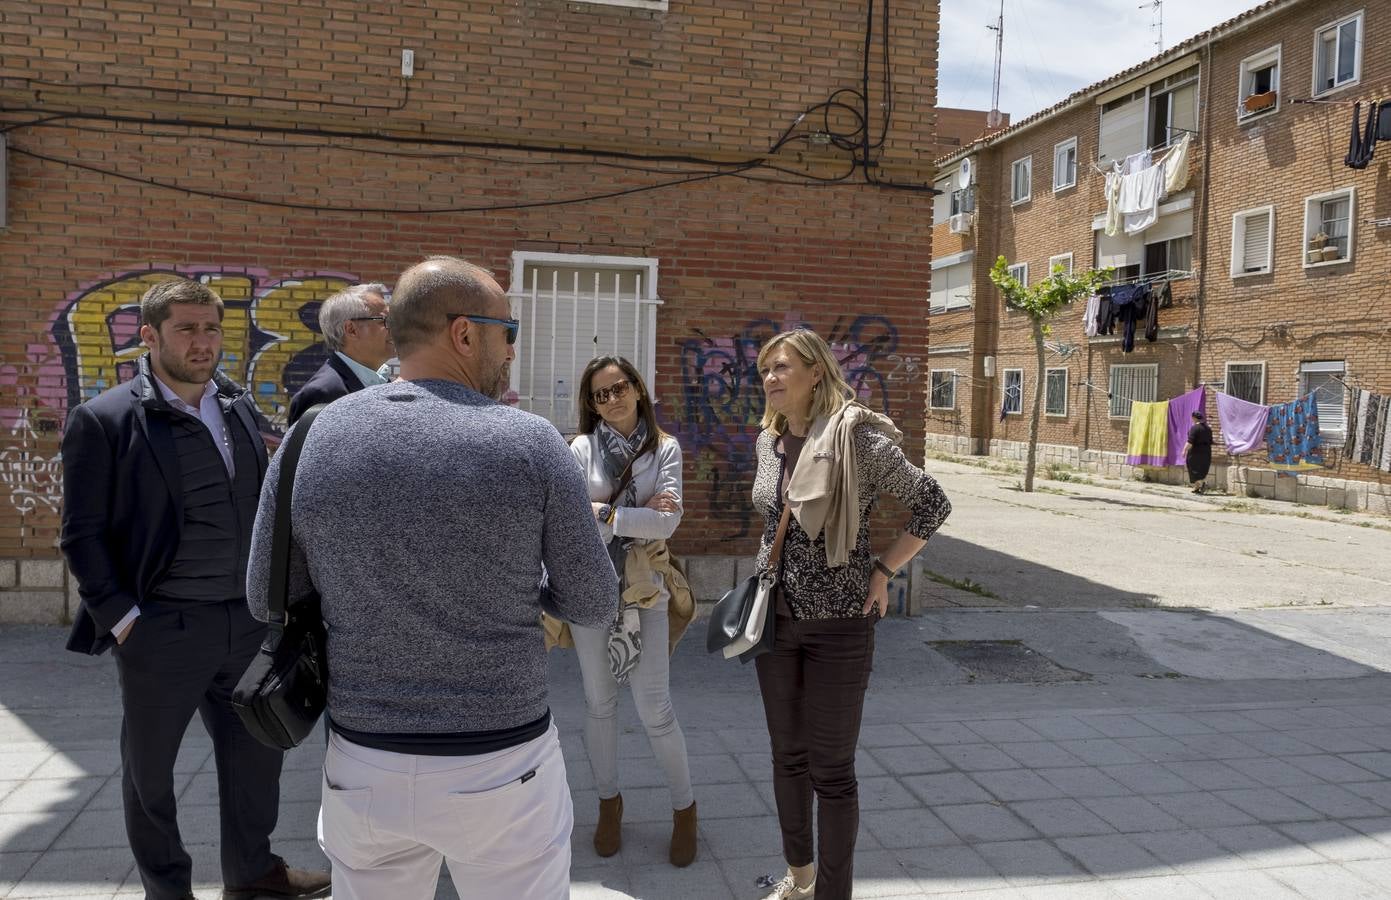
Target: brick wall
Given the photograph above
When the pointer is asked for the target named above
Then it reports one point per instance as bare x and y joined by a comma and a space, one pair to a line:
1289, 316
738, 259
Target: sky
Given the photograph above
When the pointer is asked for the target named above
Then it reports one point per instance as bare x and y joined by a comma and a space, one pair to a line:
1055, 47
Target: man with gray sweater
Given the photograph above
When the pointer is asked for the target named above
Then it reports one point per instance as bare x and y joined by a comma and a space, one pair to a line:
442, 746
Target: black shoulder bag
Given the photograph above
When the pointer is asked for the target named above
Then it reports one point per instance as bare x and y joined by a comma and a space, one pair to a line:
285, 689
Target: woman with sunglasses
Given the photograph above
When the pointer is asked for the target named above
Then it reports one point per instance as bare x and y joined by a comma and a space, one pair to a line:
823, 462
634, 474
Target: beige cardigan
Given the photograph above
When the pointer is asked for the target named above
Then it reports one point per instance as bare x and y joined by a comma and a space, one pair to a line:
825, 487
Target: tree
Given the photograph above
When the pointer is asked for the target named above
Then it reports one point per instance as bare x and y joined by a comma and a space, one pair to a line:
1041, 303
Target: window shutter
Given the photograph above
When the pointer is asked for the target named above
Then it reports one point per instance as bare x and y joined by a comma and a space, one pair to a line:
1123, 131
1255, 247
1330, 399
1183, 110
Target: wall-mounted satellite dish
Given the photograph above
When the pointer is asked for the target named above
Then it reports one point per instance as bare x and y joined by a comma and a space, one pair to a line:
966, 171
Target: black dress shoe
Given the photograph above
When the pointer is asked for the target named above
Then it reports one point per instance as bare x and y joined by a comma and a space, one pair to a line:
282, 881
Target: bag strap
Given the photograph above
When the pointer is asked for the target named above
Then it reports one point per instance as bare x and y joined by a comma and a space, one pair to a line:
281, 535
624, 480
775, 553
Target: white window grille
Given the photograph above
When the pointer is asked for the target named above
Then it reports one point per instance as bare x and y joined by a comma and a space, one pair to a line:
1020, 271
1132, 382
1253, 233
1062, 259
574, 308
1338, 54
1013, 401
1021, 179
1065, 164
943, 394
1258, 75
1329, 227
1055, 393
1246, 381
1325, 381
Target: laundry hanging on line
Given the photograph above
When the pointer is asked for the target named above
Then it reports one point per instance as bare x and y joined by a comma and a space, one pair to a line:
1292, 436
1148, 441
1135, 187
1362, 143
1180, 413
1243, 423
1369, 434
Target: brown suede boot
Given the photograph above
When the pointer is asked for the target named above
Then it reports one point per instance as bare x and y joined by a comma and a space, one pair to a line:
683, 836
608, 834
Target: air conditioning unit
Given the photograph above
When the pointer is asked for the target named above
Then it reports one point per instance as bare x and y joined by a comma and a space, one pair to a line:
960, 223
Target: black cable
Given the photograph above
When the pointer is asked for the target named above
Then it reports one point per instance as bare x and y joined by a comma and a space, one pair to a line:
799, 178
218, 195
84, 85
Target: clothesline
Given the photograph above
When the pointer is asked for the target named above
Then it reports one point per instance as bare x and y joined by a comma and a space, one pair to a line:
1164, 154
1152, 277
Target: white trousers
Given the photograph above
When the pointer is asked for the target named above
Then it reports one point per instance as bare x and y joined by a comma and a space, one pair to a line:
501, 820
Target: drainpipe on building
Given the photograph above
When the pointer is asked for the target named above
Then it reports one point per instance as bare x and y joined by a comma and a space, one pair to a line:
1202, 213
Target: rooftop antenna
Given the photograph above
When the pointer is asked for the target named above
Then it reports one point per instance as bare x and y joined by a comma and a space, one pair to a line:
1157, 26
994, 118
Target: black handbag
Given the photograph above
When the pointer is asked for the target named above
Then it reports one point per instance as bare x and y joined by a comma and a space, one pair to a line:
729, 620
285, 689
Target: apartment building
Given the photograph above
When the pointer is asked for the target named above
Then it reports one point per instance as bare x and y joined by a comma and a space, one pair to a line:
1276, 253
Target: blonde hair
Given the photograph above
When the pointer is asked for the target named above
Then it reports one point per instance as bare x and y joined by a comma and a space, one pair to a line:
833, 391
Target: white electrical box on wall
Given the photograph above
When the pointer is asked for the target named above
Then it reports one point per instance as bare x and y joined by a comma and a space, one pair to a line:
407, 63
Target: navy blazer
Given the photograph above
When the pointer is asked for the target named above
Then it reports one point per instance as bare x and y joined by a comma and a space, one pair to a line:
123, 498
334, 379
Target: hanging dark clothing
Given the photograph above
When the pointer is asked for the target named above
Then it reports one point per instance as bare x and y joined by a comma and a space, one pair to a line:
1199, 459
1105, 312
1384, 121
1152, 315
1362, 142
1128, 302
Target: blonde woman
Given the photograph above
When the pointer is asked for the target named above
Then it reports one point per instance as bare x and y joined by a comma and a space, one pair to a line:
634, 473
827, 459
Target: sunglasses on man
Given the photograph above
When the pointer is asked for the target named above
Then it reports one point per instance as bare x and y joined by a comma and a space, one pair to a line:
513, 326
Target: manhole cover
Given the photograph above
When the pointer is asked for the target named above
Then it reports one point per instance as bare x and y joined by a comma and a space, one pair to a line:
1005, 662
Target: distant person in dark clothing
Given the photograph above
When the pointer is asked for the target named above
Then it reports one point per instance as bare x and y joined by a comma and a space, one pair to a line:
353, 323
1198, 451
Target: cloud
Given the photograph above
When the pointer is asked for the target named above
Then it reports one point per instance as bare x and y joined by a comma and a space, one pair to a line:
1055, 47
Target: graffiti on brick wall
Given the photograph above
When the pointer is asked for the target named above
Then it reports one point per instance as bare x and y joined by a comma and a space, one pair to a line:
270, 345
716, 416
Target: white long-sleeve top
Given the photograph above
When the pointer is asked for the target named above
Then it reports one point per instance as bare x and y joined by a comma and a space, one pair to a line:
653, 473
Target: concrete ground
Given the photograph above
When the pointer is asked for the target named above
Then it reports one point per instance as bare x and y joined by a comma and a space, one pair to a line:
1091, 746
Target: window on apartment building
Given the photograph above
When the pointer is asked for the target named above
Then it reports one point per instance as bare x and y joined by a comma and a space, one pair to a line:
1013, 401
1173, 107
572, 309
943, 389
1325, 381
1253, 233
1132, 382
1065, 164
1338, 54
1151, 116
942, 200
1259, 75
1055, 393
951, 285
1172, 255
1246, 381
1020, 272
1328, 227
1062, 259
1021, 179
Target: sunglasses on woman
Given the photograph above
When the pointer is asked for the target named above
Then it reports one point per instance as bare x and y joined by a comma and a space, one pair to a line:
612, 392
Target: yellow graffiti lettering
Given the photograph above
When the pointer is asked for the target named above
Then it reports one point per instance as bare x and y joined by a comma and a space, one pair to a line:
277, 313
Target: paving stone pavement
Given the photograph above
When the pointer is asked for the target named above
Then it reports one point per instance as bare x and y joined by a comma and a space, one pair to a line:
1126, 785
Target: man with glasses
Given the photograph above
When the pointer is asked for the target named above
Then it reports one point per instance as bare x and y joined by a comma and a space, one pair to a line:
353, 323
441, 745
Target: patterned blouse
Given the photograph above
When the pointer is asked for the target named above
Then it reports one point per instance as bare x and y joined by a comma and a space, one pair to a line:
814, 590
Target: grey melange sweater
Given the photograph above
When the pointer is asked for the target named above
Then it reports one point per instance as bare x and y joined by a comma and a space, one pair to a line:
423, 513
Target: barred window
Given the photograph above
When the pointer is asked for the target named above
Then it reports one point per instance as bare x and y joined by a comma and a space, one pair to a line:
943, 389
1246, 380
1014, 392
1130, 383
1055, 393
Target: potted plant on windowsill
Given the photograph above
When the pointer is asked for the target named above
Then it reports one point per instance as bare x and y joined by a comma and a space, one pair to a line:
1257, 102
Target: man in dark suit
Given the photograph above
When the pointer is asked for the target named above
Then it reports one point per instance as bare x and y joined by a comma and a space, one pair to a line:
353, 323
161, 479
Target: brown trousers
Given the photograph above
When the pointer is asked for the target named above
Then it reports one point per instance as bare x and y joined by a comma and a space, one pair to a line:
813, 685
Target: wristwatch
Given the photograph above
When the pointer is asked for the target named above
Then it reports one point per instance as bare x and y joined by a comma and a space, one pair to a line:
607, 514
888, 573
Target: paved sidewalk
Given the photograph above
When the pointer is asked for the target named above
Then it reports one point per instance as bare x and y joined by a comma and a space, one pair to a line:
1159, 773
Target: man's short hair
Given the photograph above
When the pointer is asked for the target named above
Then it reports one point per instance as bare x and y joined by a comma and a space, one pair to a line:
154, 306
429, 291
349, 303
